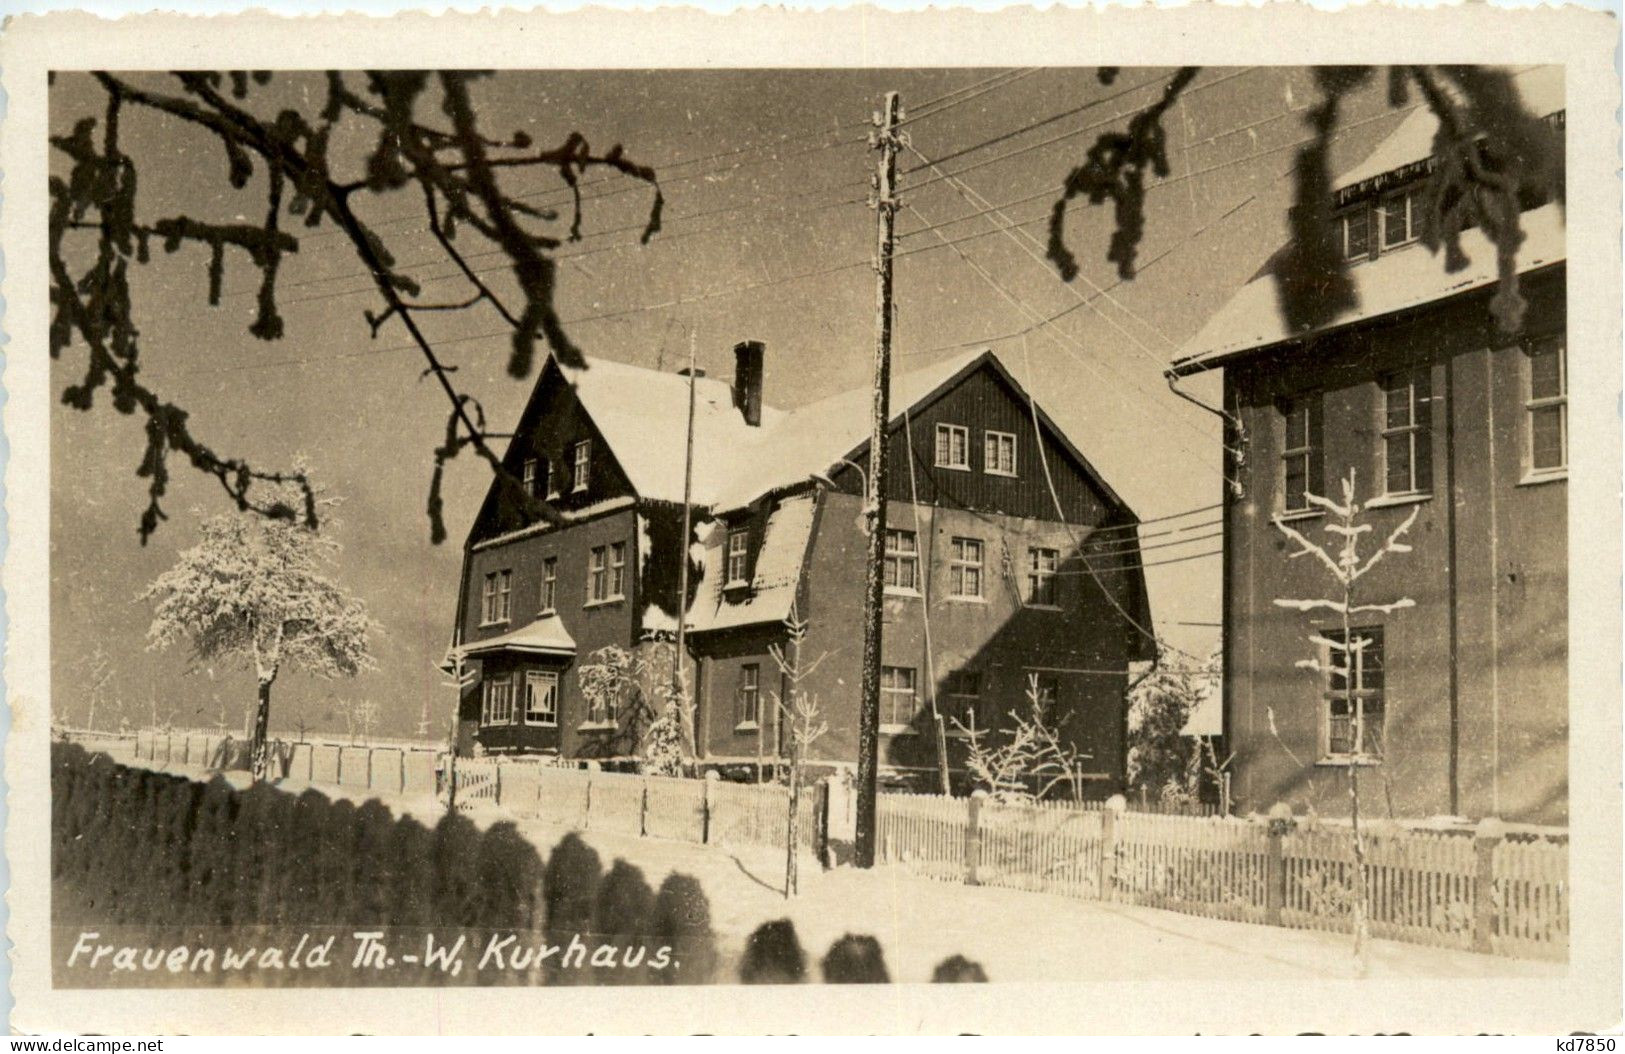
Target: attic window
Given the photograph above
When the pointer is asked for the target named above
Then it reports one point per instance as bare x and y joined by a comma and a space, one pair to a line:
999, 453
953, 446
528, 474
738, 543
1354, 228
1400, 219
583, 466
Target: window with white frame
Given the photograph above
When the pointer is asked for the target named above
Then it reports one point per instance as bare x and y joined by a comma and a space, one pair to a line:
550, 584
738, 553
1399, 219
953, 446
965, 568
1300, 452
541, 697
598, 574
498, 708
999, 453
550, 479
528, 476
604, 708
1407, 434
1354, 232
902, 561
1354, 696
1041, 567
617, 570
1546, 412
899, 701
583, 466
495, 597
749, 696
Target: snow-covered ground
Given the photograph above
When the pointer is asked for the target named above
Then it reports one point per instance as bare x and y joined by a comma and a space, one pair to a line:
1016, 936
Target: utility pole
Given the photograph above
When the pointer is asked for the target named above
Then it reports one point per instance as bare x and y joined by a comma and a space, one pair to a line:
886, 140
684, 703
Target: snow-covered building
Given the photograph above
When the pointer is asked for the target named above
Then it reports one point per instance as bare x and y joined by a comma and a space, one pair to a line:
1011, 565
1465, 695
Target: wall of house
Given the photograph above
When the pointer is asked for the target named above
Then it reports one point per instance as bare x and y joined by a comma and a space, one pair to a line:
1487, 574
592, 626
1081, 643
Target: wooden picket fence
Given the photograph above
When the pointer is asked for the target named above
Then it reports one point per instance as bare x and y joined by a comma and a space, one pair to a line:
1447, 889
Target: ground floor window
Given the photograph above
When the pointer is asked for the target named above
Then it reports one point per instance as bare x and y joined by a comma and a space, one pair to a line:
750, 694
961, 694
899, 701
541, 697
1354, 697
498, 709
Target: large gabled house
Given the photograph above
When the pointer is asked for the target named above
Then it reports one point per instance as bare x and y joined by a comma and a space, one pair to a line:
1011, 567
606, 447
1463, 698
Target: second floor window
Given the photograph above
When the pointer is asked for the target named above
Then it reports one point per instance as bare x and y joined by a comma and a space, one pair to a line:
498, 709
541, 697
899, 701
953, 446
738, 571
550, 584
965, 568
1354, 694
999, 453
582, 466
1300, 452
606, 573
902, 561
1041, 566
750, 694
1547, 409
1407, 436
494, 606
959, 697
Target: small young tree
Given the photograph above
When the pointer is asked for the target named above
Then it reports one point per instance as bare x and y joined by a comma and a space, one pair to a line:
255, 590
642, 685
1032, 760
1345, 663
802, 717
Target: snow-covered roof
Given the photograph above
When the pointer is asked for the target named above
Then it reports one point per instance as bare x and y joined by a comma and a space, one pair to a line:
545, 636
643, 415
1541, 88
778, 572
1394, 281
813, 438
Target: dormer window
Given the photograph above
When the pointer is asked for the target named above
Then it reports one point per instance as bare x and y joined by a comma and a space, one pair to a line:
528, 475
550, 479
1399, 217
953, 446
738, 548
583, 466
1354, 229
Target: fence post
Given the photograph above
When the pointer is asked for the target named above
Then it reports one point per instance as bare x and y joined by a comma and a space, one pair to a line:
1109, 816
1486, 837
973, 838
705, 807
643, 806
1280, 822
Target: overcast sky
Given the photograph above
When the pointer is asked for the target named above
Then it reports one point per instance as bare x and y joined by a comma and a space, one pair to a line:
773, 208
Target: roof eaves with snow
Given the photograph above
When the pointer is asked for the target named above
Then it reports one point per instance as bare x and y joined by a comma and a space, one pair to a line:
772, 591
1397, 281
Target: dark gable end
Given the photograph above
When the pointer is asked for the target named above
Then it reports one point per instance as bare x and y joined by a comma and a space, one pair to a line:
552, 422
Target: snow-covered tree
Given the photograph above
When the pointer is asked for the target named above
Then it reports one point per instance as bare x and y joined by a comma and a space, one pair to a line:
256, 591
1344, 662
802, 715
1030, 758
1162, 760
640, 686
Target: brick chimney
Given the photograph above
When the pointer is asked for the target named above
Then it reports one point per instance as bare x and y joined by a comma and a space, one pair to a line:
748, 380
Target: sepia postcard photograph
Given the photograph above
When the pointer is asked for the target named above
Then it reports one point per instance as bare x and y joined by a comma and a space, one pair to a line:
1081, 506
